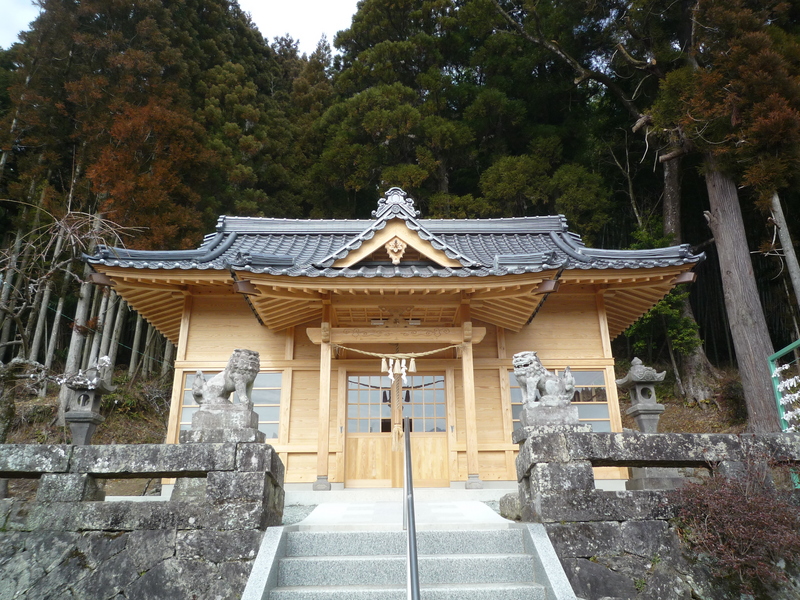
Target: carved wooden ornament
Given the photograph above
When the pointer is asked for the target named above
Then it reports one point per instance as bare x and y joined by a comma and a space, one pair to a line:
396, 248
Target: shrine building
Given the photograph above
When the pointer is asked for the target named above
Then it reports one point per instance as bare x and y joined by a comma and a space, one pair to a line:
326, 302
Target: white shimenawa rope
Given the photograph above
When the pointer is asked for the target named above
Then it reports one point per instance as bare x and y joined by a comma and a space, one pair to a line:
397, 365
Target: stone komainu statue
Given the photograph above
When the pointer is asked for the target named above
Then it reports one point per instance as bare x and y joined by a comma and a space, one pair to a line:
238, 377
540, 385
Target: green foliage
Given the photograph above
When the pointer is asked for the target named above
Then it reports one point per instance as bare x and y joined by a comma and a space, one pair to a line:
665, 319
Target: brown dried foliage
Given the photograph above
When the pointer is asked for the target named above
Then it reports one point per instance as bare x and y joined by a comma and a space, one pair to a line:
745, 527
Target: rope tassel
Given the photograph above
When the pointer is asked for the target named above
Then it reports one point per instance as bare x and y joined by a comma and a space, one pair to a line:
384, 366
412, 366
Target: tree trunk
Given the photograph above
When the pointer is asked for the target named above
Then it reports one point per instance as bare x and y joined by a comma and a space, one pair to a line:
76, 342
698, 378
119, 322
91, 325
672, 200
33, 319
147, 361
100, 326
169, 352
54, 333
748, 326
5, 295
108, 323
787, 246
41, 318
137, 338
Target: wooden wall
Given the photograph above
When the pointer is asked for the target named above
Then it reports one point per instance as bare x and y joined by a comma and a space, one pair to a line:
568, 330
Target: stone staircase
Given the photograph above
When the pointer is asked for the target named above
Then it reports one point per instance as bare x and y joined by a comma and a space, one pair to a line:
453, 565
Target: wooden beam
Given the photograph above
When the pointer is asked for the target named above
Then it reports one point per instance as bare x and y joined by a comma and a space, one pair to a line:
397, 335
280, 322
362, 301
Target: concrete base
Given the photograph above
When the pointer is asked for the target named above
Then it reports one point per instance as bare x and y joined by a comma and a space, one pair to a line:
303, 495
473, 483
322, 484
388, 516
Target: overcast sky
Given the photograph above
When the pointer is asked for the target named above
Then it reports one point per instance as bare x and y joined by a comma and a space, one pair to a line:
304, 20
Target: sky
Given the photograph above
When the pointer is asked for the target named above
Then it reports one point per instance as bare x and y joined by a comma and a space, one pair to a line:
304, 20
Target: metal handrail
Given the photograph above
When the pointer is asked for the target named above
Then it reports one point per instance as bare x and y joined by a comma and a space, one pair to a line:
409, 520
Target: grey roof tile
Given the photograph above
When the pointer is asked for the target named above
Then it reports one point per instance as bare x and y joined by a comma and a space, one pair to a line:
483, 247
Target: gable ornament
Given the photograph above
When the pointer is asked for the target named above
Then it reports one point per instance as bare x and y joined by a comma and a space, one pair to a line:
396, 248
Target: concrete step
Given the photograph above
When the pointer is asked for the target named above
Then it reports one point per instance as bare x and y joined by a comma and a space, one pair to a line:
475, 591
375, 543
385, 570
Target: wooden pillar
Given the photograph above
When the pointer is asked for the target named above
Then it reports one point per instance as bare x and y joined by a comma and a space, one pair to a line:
324, 412
468, 374
176, 405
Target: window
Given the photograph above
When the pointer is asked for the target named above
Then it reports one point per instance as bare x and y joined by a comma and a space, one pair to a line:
369, 403
266, 399
427, 405
590, 398
366, 410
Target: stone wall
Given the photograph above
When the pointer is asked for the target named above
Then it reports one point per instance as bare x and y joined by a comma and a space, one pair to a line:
68, 543
621, 544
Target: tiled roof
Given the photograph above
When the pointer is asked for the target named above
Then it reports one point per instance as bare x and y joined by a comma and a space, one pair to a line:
310, 248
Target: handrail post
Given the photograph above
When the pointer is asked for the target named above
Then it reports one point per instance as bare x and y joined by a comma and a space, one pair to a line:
408, 505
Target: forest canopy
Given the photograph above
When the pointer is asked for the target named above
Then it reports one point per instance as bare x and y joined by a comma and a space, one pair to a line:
158, 116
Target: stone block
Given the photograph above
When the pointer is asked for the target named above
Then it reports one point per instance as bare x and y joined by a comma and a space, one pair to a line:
521, 434
260, 457
222, 436
112, 577
112, 516
585, 540
544, 448
592, 580
96, 547
779, 446
510, 507
245, 486
189, 489
28, 460
162, 460
655, 478
218, 546
148, 547
632, 449
666, 583
560, 477
69, 487
536, 415
597, 505
224, 416
236, 515
644, 538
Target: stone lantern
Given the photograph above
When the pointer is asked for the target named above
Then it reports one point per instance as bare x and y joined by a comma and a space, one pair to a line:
644, 409
83, 410
641, 381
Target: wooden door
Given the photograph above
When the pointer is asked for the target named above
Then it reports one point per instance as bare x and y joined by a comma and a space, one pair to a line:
369, 458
